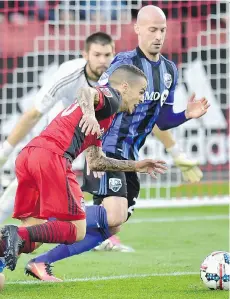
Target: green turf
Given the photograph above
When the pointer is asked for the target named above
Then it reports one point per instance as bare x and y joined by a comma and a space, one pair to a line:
191, 190
185, 190
165, 247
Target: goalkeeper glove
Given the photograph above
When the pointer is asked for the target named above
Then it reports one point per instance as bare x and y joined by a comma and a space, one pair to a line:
189, 169
5, 150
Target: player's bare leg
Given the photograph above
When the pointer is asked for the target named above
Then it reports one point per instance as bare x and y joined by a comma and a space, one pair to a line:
117, 212
81, 229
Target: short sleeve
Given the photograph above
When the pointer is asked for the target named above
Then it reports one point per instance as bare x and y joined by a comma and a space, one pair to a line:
57, 88
109, 102
93, 140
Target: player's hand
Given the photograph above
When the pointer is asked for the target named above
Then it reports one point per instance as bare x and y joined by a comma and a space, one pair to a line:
189, 169
90, 125
96, 174
151, 167
196, 108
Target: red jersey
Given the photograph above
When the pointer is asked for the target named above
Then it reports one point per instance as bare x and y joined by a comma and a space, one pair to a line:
63, 135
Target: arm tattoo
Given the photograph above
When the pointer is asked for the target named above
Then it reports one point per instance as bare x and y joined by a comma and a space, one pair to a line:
86, 98
97, 161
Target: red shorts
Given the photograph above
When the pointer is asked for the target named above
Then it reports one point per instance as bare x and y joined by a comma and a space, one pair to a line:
47, 187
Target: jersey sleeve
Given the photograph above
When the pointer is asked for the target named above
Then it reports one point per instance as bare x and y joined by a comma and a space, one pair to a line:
120, 59
109, 102
55, 89
170, 98
93, 140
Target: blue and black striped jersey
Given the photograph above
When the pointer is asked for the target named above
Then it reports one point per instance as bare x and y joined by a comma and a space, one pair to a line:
128, 132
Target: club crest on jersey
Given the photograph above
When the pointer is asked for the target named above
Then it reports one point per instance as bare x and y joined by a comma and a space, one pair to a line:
103, 79
167, 80
106, 92
115, 184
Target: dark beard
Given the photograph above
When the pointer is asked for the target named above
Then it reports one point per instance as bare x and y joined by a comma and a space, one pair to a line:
95, 74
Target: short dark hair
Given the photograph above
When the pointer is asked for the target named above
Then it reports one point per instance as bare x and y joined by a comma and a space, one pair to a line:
126, 72
101, 38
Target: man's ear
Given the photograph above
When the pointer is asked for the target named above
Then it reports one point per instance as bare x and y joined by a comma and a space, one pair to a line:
85, 55
136, 28
125, 87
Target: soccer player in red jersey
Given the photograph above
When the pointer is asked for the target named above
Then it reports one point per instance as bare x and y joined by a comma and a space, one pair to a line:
47, 186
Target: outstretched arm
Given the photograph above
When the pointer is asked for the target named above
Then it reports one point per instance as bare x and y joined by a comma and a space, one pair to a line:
189, 168
26, 123
97, 161
195, 108
165, 137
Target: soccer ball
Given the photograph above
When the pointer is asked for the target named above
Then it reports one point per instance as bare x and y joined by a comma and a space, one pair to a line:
215, 271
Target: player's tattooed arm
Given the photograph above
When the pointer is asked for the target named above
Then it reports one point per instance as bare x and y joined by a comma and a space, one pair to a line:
88, 97
97, 161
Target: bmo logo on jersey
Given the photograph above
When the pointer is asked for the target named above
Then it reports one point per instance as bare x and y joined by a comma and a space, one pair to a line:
156, 96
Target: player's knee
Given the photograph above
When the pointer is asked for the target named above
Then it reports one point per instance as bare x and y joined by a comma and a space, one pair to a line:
115, 219
117, 210
81, 229
32, 221
114, 230
81, 234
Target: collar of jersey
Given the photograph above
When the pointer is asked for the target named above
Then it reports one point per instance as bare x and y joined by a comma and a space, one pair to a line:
86, 77
142, 55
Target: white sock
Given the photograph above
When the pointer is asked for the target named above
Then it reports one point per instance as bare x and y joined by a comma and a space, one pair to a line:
7, 201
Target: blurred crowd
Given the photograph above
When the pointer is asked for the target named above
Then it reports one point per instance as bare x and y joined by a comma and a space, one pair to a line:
19, 12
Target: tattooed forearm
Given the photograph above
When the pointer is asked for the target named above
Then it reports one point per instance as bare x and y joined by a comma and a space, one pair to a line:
97, 161
87, 97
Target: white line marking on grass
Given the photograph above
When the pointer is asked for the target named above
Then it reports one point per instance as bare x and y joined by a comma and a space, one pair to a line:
128, 276
178, 219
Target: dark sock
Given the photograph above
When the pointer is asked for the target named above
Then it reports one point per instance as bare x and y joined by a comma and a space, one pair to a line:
50, 232
97, 231
28, 245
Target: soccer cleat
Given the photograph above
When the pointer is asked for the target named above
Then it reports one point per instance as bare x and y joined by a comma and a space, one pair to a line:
13, 244
113, 244
41, 271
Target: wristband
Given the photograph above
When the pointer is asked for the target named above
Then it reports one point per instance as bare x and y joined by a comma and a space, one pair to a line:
174, 151
7, 148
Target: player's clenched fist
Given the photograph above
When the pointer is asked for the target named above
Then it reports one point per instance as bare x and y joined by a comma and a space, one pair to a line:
151, 167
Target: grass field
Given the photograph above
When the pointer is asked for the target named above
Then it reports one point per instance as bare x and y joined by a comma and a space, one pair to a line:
170, 245
192, 190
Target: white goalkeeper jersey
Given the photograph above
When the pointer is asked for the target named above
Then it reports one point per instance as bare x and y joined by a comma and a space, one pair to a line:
61, 90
